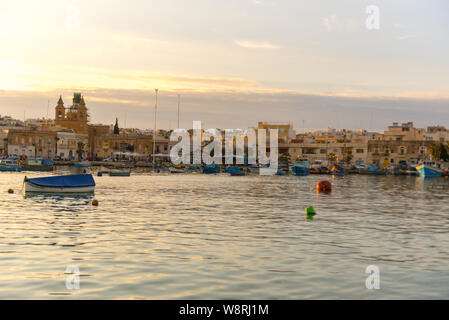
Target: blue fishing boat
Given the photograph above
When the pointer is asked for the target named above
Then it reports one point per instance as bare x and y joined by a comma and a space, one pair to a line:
235, 171
373, 170
211, 169
9, 165
337, 168
36, 165
281, 173
119, 173
82, 164
429, 169
232, 169
75, 183
301, 168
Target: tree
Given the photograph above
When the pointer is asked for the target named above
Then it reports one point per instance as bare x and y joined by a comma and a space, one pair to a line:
443, 152
435, 151
116, 128
80, 149
6, 146
347, 155
56, 146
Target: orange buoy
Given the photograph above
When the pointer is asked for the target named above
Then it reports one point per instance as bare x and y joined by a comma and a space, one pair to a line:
324, 186
95, 202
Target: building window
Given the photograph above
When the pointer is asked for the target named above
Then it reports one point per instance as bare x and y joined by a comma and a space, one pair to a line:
359, 151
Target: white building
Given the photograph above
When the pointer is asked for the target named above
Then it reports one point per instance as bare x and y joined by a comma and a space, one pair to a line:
68, 144
21, 150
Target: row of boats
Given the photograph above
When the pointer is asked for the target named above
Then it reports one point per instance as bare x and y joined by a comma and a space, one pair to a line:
26, 165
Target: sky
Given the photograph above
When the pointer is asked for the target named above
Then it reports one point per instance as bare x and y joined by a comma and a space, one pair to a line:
315, 64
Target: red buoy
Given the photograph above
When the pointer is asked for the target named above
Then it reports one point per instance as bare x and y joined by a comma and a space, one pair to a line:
94, 202
324, 186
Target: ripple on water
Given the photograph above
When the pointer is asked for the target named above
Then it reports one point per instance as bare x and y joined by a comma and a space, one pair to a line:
200, 236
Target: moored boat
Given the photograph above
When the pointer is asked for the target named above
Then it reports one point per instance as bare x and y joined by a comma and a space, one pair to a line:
82, 164
36, 165
337, 168
76, 183
301, 168
9, 165
119, 173
429, 169
211, 169
175, 170
373, 170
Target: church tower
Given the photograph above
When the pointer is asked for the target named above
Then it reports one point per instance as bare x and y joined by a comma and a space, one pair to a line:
60, 110
75, 117
82, 110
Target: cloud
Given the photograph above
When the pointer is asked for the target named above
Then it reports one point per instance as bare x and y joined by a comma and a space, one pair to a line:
398, 25
329, 22
407, 36
255, 45
332, 23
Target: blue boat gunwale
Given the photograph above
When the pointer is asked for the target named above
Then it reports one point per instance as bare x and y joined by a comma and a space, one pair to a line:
78, 181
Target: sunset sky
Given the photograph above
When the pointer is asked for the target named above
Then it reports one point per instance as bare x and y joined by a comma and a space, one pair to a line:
234, 62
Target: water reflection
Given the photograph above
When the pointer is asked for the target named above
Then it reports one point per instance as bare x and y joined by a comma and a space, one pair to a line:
196, 236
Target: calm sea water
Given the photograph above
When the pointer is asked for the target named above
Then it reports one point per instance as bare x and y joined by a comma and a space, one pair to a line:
197, 236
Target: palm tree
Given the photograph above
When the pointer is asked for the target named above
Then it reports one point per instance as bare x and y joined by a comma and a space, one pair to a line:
80, 149
435, 151
56, 146
5, 140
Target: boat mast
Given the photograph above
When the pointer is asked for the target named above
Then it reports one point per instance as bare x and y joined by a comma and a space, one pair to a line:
154, 131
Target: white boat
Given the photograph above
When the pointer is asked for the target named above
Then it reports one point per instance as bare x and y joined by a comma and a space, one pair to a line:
75, 183
175, 170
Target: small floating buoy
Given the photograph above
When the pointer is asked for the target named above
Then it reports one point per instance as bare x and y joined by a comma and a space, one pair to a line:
310, 211
324, 186
10, 191
95, 202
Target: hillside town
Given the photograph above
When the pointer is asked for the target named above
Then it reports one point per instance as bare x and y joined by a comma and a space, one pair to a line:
70, 135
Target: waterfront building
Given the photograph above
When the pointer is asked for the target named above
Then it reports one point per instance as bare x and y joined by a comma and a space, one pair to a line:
70, 145
285, 130
437, 134
386, 152
32, 142
404, 132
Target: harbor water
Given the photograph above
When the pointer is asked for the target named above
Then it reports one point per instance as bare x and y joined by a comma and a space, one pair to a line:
196, 236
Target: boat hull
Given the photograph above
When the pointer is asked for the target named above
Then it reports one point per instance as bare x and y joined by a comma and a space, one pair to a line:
428, 172
36, 168
30, 187
119, 174
10, 169
300, 171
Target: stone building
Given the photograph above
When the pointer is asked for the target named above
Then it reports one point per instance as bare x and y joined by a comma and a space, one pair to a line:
75, 117
32, 142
